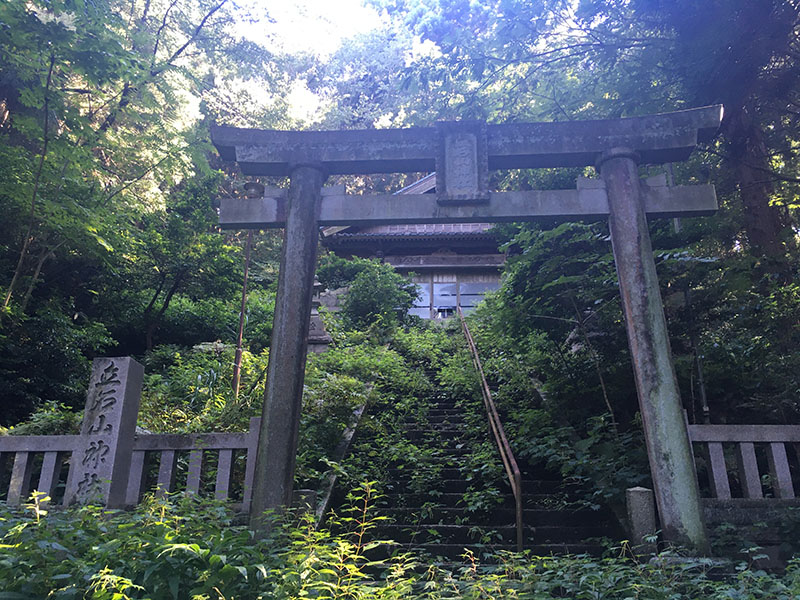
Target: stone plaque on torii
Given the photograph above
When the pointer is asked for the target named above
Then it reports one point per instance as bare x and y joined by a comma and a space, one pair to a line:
462, 154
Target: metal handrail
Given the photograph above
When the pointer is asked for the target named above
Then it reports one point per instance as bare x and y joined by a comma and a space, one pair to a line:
509, 462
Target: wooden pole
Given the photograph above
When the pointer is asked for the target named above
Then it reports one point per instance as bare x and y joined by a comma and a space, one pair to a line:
277, 442
237, 361
668, 447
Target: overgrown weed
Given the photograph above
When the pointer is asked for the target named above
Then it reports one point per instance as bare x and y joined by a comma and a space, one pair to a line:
182, 547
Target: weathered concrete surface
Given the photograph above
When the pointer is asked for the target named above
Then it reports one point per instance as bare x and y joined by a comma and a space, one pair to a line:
642, 519
462, 163
774, 437
660, 138
745, 433
39, 443
587, 203
277, 445
102, 458
668, 447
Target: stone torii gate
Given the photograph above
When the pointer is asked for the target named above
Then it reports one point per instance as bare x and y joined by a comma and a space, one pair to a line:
462, 153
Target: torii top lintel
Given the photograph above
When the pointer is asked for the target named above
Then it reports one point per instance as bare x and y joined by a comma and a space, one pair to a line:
666, 137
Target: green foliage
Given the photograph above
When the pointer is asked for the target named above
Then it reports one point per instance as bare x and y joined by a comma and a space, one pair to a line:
375, 364
334, 271
426, 344
329, 404
43, 359
109, 235
378, 297
189, 390
258, 326
602, 461
49, 419
180, 547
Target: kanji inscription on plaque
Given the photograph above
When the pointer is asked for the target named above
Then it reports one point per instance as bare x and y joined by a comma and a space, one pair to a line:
462, 163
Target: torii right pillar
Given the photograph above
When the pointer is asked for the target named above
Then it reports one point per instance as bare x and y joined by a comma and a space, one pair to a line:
668, 447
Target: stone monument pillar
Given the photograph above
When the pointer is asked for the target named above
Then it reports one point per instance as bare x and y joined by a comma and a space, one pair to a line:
101, 461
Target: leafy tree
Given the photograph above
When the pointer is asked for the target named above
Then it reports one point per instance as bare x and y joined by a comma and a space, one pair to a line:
106, 189
561, 60
377, 296
180, 250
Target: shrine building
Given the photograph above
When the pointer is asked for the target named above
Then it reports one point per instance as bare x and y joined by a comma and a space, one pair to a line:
453, 264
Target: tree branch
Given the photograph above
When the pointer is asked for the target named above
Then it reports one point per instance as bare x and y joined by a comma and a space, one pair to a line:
142, 175
160, 31
774, 174
32, 216
175, 55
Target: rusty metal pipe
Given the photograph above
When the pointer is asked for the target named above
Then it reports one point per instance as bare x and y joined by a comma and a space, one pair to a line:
496, 425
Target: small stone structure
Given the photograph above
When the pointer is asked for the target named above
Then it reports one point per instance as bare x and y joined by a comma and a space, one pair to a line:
102, 460
318, 338
642, 521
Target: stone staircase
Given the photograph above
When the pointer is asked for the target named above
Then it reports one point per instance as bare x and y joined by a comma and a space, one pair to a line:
426, 508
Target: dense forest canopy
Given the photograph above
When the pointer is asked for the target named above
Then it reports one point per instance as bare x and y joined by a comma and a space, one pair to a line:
109, 182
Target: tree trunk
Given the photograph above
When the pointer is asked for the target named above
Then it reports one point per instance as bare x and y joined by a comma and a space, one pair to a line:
763, 222
43, 256
153, 323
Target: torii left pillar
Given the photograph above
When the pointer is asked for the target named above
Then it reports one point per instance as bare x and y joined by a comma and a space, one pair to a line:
280, 416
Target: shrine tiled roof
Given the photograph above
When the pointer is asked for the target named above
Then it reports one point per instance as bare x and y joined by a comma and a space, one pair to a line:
425, 228
418, 231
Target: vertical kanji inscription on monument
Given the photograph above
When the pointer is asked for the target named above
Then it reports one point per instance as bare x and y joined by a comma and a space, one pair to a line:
101, 461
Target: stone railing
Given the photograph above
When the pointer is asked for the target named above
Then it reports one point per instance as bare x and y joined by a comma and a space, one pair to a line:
746, 443
109, 463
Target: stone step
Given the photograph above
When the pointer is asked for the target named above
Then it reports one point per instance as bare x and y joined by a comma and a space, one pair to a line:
451, 480
530, 516
446, 472
484, 553
454, 412
453, 452
397, 499
491, 534
436, 421
433, 435
445, 405
432, 428
445, 485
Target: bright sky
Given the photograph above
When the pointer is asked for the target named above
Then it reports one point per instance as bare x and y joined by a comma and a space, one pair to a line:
316, 26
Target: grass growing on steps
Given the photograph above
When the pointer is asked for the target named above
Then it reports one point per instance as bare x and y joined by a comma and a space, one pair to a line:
428, 449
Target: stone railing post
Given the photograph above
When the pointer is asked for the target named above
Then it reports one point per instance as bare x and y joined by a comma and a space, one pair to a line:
642, 521
101, 460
